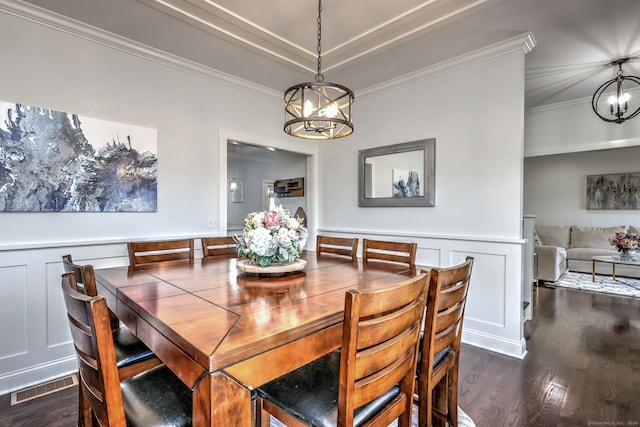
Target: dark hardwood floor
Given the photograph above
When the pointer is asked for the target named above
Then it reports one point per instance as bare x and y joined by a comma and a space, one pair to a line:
582, 369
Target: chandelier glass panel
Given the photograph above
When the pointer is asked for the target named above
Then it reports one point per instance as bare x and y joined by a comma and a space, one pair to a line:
618, 99
318, 110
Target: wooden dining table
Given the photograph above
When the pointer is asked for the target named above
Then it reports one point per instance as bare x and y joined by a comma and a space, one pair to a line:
224, 332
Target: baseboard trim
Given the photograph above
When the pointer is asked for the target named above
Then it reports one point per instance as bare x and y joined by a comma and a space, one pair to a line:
516, 349
37, 374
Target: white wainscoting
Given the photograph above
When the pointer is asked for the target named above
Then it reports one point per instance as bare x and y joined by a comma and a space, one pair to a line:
35, 343
493, 316
35, 339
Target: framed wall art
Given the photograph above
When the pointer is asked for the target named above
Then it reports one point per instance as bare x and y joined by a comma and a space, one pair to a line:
617, 191
53, 161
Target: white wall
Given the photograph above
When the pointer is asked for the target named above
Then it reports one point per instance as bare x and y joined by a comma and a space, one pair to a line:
556, 187
475, 113
573, 127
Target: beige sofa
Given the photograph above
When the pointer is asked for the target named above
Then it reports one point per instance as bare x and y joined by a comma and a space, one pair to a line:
565, 247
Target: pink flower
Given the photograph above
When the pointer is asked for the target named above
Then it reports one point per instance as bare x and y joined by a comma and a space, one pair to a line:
271, 219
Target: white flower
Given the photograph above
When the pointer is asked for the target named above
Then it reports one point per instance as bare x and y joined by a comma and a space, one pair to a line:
258, 219
293, 224
260, 241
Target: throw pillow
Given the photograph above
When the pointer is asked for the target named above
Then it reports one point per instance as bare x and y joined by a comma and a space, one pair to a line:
537, 241
593, 237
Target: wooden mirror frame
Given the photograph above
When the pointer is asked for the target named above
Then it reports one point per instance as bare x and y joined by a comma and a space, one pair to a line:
428, 178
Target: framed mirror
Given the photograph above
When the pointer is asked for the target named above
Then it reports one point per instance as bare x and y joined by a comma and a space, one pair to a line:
398, 175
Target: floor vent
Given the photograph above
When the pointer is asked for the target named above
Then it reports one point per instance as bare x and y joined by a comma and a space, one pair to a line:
43, 389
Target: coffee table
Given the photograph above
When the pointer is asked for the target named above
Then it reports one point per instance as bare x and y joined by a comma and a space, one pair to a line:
614, 260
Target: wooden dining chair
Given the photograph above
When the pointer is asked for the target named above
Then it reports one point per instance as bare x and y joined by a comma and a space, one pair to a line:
369, 381
438, 366
154, 397
132, 356
389, 251
215, 246
141, 253
338, 246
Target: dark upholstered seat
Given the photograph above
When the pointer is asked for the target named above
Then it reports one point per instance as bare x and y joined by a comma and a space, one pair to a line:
369, 381
316, 393
155, 397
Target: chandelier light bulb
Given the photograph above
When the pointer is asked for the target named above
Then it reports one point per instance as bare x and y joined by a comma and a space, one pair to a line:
332, 110
308, 109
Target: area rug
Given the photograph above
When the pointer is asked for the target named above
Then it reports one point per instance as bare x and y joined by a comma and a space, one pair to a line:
622, 286
463, 420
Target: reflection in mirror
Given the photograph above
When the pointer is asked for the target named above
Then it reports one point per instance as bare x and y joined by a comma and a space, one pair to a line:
394, 175
398, 175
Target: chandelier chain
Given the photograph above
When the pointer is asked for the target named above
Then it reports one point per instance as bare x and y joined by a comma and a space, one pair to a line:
319, 76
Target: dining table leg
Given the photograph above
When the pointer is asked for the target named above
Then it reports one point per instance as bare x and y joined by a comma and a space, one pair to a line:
218, 400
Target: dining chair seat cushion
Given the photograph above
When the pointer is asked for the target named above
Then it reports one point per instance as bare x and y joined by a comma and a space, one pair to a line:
310, 393
437, 358
156, 398
129, 349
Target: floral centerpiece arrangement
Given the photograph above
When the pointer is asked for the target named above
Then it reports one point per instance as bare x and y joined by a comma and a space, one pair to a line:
625, 242
271, 236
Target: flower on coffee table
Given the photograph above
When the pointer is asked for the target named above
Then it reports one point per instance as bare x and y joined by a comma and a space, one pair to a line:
625, 242
271, 236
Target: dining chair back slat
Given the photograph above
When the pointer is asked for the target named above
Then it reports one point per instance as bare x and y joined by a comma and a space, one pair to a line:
142, 253
216, 246
337, 246
402, 252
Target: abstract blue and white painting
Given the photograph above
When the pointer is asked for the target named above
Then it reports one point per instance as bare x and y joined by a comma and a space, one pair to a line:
52, 161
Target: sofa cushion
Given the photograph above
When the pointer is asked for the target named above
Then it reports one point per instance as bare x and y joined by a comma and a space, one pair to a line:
585, 254
554, 235
593, 237
634, 230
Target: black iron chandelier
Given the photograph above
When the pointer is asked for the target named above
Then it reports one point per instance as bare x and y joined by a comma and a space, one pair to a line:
618, 106
318, 110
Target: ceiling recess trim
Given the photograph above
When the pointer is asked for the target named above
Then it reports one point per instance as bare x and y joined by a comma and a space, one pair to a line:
524, 42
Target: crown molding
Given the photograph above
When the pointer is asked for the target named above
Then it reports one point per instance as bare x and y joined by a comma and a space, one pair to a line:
75, 28
523, 42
